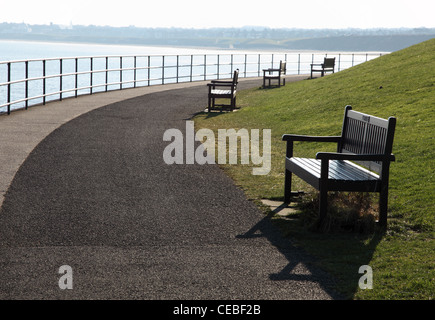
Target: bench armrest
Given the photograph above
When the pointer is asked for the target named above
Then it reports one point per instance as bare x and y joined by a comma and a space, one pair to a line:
295, 137
221, 81
230, 84
354, 157
271, 70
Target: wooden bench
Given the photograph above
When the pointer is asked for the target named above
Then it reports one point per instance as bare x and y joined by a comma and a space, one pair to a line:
328, 65
275, 74
220, 89
365, 139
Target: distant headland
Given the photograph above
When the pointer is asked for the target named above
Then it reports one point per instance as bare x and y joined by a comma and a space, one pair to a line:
249, 37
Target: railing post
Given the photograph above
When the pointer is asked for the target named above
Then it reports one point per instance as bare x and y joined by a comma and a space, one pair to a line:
134, 76
120, 73
9, 88
149, 71
107, 72
299, 63
191, 67
91, 80
246, 64
76, 76
43, 82
259, 63
353, 58
205, 67
232, 65
339, 61
27, 85
178, 66
60, 79
218, 67
163, 69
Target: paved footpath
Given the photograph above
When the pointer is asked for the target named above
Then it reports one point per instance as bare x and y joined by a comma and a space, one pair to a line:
85, 185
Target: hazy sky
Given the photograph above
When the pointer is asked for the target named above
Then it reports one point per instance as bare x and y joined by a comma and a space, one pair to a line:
224, 13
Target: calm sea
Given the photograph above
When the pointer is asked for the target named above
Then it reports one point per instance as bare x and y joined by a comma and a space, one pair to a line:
23, 50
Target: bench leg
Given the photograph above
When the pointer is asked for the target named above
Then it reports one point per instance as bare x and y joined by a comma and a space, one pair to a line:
323, 190
383, 207
211, 103
287, 186
323, 206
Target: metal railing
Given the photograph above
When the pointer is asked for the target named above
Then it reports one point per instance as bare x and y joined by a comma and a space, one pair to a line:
24, 83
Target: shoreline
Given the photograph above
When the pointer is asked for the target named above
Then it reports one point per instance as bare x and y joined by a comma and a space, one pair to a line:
200, 49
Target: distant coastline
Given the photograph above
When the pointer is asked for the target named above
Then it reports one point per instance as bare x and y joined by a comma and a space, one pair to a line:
247, 38
165, 48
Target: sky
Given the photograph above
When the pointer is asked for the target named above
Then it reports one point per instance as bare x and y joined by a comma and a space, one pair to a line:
310, 14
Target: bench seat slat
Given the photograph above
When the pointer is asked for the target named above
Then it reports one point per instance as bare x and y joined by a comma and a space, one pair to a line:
342, 175
346, 170
221, 92
338, 169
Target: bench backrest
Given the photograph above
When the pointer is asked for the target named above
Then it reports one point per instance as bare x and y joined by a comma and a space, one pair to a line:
235, 78
283, 67
366, 134
329, 63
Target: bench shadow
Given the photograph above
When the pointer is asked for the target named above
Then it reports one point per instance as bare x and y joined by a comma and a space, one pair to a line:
271, 87
339, 289
213, 113
295, 256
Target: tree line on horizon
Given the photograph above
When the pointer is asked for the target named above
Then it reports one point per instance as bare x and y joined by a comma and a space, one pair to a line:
249, 37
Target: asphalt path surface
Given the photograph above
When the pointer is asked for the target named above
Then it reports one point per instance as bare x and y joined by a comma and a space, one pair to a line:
96, 195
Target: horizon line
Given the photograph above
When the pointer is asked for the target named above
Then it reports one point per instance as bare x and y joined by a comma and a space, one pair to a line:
259, 27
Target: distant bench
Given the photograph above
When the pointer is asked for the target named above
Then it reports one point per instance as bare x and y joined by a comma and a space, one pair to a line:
275, 74
365, 139
328, 65
221, 89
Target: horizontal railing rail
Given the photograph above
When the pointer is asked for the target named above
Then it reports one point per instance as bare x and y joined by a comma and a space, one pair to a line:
24, 83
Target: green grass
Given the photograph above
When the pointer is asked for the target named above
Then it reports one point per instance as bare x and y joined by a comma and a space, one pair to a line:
400, 84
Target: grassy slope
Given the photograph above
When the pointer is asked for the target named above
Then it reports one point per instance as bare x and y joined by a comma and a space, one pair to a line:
400, 84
